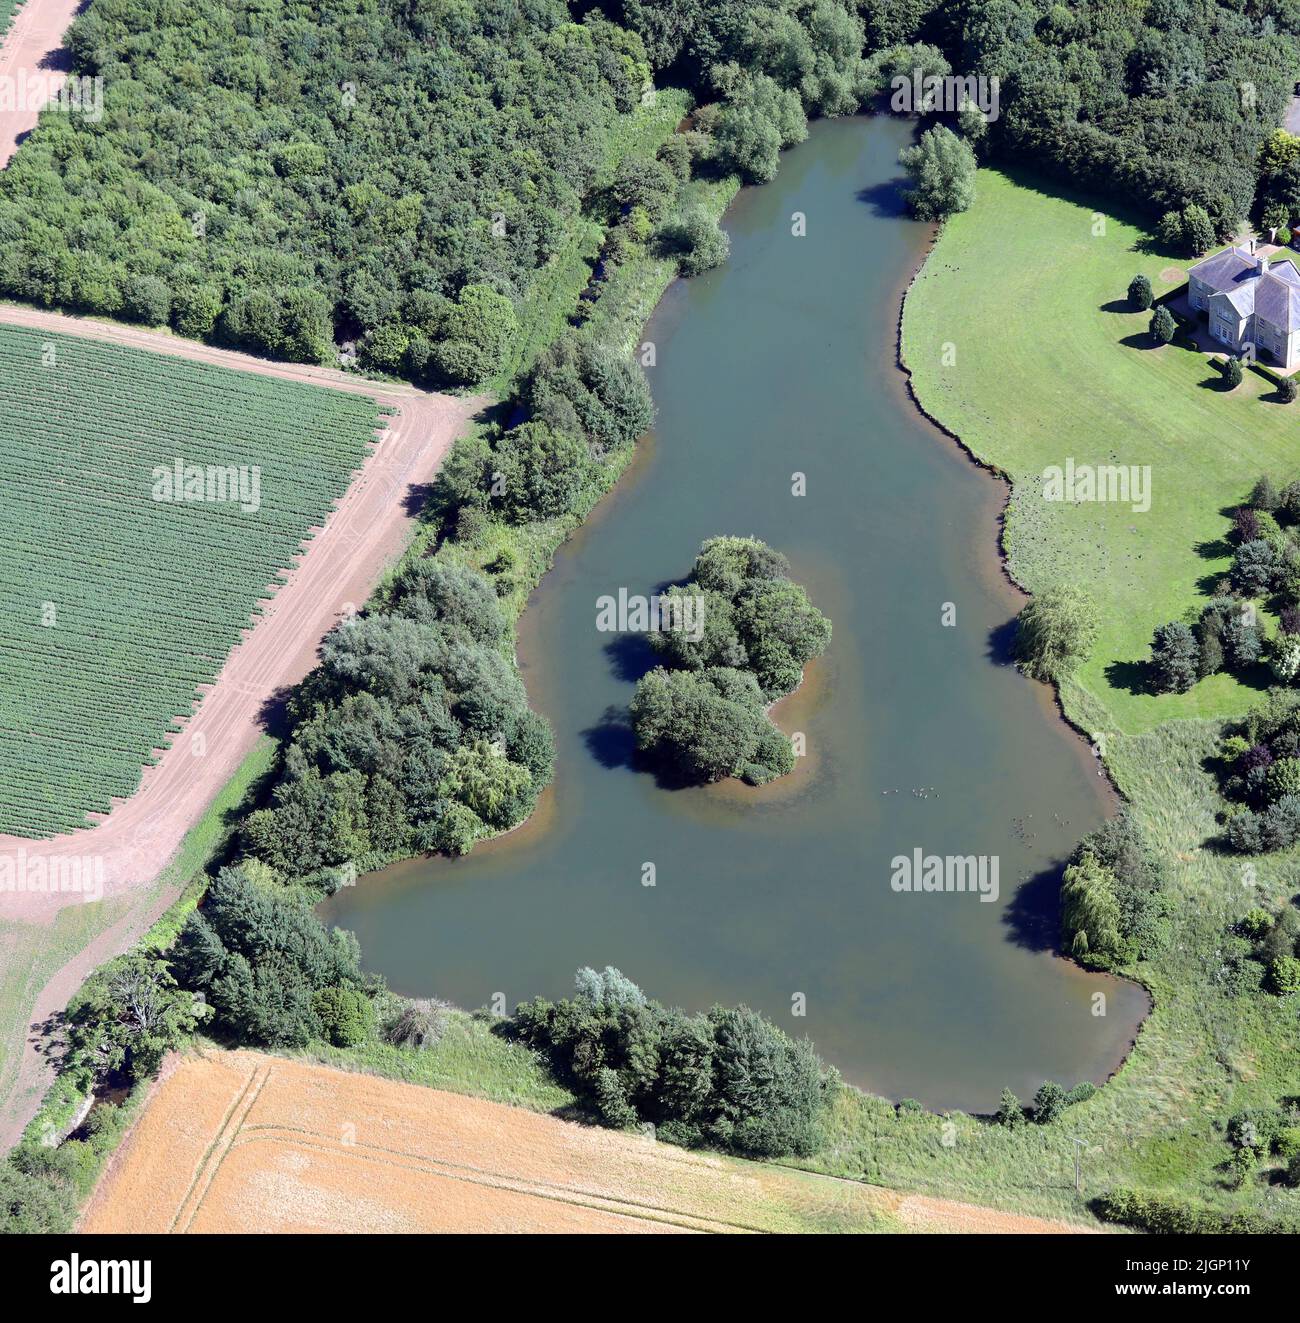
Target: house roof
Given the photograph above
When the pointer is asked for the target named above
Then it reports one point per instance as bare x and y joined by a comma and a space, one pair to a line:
1273, 293
1222, 271
1277, 298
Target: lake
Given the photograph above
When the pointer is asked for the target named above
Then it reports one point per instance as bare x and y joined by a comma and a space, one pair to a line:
919, 734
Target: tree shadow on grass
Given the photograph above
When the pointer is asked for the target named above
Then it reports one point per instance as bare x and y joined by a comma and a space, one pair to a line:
1140, 340
273, 713
1258, 677
1117, 305
1213, 549
1150, 246
1134, 677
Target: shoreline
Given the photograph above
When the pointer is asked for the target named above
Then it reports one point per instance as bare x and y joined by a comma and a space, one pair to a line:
1051, 693
732, 794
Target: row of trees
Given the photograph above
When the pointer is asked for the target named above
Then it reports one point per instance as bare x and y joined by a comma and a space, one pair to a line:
1166, 106
1227, 634
1172, 106
1259, 766
729, 1078
1050, 1102
702, 712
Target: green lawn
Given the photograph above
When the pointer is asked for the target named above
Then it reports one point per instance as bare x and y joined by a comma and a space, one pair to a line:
1044, 371
1047, 366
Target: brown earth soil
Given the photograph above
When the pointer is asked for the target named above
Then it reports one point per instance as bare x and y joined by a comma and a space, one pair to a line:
336, 573
245, 1142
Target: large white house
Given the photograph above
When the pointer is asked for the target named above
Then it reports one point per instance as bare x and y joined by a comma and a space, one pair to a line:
1250, 302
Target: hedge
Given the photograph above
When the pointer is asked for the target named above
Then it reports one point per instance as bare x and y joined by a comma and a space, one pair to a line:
1169, 1216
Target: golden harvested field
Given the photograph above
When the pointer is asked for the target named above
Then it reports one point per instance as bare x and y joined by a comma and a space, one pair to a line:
239, 1141
244, 1142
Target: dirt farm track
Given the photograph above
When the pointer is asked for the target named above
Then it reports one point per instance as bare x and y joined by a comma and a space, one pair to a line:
336, 572
245, 1142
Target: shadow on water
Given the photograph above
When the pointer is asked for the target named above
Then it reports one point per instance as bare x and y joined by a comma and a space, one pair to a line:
630, 657
1033, 915
1002, 643
611, 741
885, 199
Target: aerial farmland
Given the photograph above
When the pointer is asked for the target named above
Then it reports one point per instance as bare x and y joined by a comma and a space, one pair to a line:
127, 588
649, 615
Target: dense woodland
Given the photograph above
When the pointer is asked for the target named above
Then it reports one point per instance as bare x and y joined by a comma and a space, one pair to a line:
295, 175
291, 176
1164, 105
282, 175
414, 735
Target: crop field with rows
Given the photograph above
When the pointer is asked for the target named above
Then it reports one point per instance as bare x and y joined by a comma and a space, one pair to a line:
118, 605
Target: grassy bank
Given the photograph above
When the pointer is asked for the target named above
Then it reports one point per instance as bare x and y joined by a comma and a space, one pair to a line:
1018, 342
33, 954
470, 1059
1046, 362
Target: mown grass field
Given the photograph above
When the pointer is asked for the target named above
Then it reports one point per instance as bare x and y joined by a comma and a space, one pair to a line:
1049, 365
1044, 370
121, 604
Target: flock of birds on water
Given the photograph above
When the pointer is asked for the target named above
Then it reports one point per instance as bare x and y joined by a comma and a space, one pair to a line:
1020, 826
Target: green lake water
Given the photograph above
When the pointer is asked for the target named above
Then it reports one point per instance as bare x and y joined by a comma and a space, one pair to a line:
919, 735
